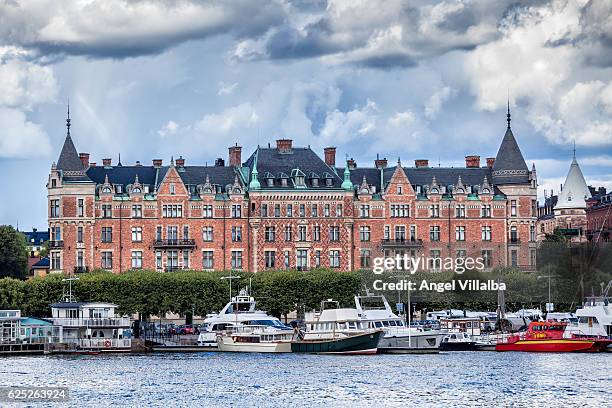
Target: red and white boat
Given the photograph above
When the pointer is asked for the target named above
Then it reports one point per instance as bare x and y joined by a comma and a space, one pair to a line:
548, 337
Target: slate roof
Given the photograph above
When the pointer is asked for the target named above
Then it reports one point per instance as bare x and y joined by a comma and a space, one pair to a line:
270, 160
125, 175
220, 175
43, 263
510, 166
39, 237
69, 162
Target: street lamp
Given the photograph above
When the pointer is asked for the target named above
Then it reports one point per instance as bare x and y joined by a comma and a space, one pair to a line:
230, 277
549, 305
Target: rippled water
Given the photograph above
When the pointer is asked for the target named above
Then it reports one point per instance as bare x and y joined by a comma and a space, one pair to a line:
226, 379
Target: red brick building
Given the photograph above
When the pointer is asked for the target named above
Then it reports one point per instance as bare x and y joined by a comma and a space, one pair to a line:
599, 217
285, 207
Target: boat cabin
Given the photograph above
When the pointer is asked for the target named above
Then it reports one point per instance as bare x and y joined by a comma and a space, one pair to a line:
470, 325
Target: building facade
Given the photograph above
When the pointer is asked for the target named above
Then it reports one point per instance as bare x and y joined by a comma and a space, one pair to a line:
286, 207
567, 210
599, 217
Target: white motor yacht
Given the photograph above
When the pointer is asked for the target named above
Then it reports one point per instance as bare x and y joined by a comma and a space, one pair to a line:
257, 339
594, 318
240, 311
376, 313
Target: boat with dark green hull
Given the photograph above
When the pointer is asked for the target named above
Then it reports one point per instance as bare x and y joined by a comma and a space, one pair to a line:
366, 343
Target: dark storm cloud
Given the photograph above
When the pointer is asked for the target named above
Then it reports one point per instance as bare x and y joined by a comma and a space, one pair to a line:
121, 29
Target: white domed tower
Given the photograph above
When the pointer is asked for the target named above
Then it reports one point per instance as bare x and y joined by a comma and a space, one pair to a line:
570, 210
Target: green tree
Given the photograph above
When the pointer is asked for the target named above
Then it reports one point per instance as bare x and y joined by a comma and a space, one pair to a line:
13, 253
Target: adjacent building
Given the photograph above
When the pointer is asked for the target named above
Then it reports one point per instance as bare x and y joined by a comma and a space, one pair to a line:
567, 211
599, 217
286, 207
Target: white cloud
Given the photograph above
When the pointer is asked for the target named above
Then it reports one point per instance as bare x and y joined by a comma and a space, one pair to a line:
342, 127
226, 88
169, 128
404, 119
436, 100
536, 62
231, 119
24, 84
21, 138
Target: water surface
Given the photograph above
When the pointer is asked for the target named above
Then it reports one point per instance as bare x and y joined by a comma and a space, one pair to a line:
246, 380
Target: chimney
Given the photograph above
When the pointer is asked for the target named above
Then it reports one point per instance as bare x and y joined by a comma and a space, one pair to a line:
92, 164
284, 145
472, 161
157, 163
380, 163
84, 159
180, 162
352, 164
235, 158
330, 156
219, 162
421, 163
107, 162
490, 161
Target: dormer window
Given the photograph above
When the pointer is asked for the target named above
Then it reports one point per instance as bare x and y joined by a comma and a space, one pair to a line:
146, 189
284, 182
329, 182
315, 182
106, 190
299, 178
136, 190
283, 179
118, 188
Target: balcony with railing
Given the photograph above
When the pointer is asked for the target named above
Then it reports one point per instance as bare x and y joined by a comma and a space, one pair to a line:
103, 343
402, 242
56, 244
81, 269
174, 243
92, 322
514, 241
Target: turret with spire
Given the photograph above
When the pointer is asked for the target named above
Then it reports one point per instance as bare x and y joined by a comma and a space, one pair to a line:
69, 162
574, 191
509, 166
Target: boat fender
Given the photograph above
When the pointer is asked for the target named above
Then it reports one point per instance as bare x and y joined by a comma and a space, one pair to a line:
107, 343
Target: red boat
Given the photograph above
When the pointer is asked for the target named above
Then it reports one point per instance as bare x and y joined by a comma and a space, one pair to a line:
548, 337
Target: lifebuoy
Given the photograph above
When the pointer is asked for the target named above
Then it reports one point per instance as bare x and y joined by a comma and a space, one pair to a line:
107, 343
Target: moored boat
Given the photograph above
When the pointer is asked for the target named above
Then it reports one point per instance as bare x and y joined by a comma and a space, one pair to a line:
398, 337
549, 337
256, 339
336, 331
459, 341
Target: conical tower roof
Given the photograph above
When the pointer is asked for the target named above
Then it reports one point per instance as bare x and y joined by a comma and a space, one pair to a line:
69, 162
509, 166
69, 158
575, 190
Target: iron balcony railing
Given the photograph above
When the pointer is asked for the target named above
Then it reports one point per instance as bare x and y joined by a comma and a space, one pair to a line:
56, 244
174, 243
514, 241
81, 269
92, 322
105, 343
401, 242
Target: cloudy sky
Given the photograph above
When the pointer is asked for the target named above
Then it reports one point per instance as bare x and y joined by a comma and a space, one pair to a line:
414, 79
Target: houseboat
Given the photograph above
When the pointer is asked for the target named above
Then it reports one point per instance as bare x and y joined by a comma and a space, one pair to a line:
333, 330
550, 336
26, 335
89, 326
376, 313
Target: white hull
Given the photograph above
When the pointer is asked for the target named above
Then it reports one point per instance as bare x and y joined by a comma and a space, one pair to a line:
226, 343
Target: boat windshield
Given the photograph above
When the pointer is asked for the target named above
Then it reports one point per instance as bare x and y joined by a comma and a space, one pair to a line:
271, 322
